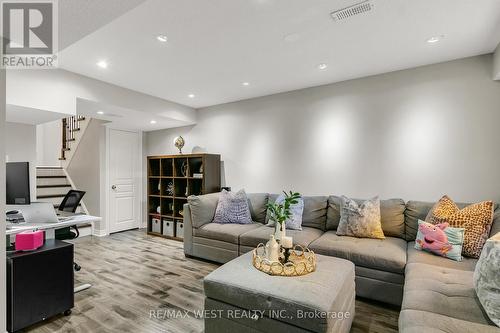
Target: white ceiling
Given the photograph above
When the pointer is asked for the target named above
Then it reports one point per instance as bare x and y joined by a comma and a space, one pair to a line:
79, 18
30, 116
123, 118
216, 45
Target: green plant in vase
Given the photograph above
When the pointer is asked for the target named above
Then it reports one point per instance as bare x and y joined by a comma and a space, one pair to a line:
280, 212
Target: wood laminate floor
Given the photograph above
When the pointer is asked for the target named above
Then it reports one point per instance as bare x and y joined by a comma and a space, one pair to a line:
138, 279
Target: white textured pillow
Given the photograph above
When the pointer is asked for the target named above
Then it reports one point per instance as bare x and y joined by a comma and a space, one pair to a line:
486, 278
233, 208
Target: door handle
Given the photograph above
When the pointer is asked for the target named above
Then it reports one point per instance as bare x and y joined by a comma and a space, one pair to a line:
113, 187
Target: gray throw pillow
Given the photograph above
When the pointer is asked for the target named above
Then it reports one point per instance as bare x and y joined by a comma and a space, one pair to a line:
233, 208
360, 220
486, 278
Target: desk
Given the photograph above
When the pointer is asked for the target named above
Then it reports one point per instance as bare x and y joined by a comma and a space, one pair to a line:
50, 229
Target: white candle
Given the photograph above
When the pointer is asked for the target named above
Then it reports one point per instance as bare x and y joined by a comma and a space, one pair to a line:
287, 242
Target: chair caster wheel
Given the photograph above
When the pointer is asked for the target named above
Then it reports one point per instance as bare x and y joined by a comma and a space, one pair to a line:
67, 313
77, 267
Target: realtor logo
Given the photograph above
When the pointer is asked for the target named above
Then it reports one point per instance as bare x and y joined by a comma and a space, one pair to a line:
29, 30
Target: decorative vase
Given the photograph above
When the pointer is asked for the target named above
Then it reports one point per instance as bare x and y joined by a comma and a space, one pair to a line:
272, 249
280, 231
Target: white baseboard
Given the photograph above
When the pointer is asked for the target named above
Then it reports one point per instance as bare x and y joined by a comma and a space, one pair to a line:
100, 233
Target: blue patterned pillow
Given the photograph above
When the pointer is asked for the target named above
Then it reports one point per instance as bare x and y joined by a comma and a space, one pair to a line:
295, 222
440, 239
233, 208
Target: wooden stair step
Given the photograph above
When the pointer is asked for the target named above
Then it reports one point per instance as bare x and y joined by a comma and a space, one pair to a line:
50, 176
49, 196
52, 186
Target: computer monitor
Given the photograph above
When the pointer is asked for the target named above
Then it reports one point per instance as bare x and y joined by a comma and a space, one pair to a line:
18, 183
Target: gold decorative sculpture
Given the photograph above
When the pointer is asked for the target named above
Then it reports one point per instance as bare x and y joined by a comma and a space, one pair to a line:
179, 143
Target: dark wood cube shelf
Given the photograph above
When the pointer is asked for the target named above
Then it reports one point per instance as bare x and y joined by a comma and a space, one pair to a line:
171, 179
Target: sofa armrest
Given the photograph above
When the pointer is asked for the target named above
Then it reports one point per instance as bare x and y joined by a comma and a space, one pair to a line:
188, 230
202, 208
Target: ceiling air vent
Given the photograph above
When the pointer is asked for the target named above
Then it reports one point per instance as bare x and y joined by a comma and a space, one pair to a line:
345, 13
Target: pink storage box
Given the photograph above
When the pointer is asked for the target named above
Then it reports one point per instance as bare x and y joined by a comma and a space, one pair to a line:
29, 240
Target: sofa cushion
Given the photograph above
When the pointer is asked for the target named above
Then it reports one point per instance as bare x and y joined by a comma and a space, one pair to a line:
315, 208
257, 203
416, 256
418, 210
224, 232
203, 208
314, 215
414, 321
387, 254
391, 213
445, 291
261, 235
495, 226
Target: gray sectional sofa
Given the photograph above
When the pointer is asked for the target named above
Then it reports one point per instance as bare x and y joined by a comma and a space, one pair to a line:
434, 292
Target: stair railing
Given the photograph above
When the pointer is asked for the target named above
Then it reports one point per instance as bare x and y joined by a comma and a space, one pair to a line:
70, 125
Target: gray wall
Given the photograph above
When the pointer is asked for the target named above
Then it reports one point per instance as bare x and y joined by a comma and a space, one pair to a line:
49, 143
496, 65
414, 134
3, 301
85, 166
20, 146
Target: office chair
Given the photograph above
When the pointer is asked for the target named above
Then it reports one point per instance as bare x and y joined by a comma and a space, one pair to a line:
70, 205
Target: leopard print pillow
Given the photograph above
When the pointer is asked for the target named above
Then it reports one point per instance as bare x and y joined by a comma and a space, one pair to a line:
476, 219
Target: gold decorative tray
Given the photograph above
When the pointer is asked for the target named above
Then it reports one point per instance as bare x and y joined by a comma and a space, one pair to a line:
301, 261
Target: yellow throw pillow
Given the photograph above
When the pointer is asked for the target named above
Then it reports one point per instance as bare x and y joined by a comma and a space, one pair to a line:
476, 219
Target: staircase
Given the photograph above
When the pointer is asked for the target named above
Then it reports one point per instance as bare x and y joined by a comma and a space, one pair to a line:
52, 184
71, 128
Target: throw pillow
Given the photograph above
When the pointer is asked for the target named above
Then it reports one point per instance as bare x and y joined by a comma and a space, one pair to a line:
233, 208
295, 222
360, 220
476, 219
486, 281
440, 239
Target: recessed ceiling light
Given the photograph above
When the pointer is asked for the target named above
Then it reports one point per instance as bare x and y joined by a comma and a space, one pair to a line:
435, 39
191, 95
100, 112
152, 122
246, 83
102, 64
322, 67
162, 38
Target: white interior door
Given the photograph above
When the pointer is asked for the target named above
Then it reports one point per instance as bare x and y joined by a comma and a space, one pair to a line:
124, 172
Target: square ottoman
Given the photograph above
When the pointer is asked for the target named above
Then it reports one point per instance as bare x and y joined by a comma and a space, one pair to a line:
240, 298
